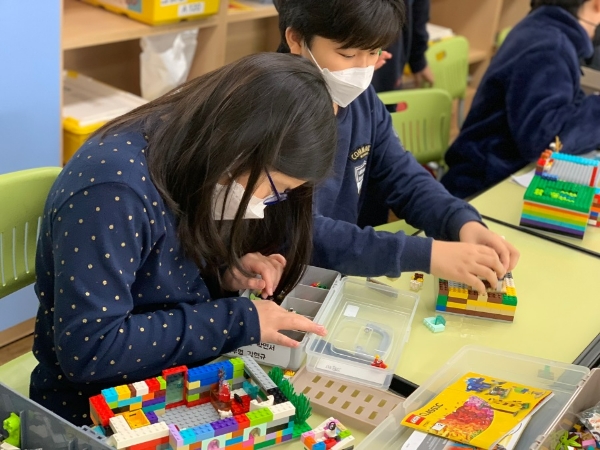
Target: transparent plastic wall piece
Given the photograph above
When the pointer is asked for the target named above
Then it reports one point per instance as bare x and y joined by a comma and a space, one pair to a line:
43, 429
563, 379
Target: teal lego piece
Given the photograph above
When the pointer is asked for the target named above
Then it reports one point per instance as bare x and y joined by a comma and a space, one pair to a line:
435, 324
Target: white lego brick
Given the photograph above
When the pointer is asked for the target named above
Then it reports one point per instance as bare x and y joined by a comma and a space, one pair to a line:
343, 444
276, 423
255, 404
118, 424
141, 388
140, 435
282, 410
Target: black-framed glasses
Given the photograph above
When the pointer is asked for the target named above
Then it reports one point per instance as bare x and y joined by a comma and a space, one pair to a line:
277, 196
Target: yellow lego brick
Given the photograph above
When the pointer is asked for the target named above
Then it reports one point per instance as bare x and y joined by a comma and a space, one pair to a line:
456, 305
472, 304
259, 439
123, 392
135, 406
136, 419
497, 308
511, 291
193, 384
458, 292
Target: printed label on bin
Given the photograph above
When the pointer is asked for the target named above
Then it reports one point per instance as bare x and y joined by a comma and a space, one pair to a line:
341, 368
265, 353
190, 9
171, 2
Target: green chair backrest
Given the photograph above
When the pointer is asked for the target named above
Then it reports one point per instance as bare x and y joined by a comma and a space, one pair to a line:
422, 121
502, 36
449, 62
22, 198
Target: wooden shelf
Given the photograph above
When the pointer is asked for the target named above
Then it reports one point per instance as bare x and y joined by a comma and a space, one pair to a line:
85, 25
258, 11
476, 55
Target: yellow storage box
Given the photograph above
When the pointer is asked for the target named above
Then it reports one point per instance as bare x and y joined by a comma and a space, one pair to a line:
87, 105
160, 12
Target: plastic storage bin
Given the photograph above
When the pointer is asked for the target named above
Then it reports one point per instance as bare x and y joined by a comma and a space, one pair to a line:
305, 300
42, 429
87, 105
160, 12
563, 379
365, 321
587, 395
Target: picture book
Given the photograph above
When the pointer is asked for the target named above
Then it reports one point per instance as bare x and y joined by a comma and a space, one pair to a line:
477, 410
423, 441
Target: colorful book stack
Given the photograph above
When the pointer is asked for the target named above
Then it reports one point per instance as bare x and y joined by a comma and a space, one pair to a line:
558, 206
498, 303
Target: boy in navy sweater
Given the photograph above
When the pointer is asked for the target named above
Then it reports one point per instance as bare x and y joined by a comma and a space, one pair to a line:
372, 172
530, 94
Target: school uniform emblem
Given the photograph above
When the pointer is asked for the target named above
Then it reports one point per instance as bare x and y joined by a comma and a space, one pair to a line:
360, 153
359, 175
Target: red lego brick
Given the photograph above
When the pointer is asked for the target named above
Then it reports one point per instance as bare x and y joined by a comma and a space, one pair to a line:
153, 385
174, 371
149, 445
243, 420
100, 409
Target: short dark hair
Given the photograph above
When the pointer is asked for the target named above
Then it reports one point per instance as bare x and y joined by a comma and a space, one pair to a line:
571, 6
264, 112
364, 24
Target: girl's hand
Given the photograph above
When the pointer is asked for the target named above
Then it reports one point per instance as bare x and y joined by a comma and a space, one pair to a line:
270, 268
465, 263
476, 233
274, 318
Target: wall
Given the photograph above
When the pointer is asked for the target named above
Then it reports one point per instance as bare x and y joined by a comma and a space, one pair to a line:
30, 61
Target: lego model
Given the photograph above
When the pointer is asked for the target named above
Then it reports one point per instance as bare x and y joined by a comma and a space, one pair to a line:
416, 282
499, 303
435, 324
330, 435
319, 285
477, 385
558, 206
228, 405
12, 425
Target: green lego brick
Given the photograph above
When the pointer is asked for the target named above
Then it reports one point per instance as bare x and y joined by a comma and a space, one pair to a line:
113, 405
344, 434
162, 382
237, 363
442, 300
260, 416
193, 397
509, 300
299, 429
265, 444
560, 194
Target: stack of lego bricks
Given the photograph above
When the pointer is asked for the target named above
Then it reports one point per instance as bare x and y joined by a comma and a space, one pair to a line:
497, 303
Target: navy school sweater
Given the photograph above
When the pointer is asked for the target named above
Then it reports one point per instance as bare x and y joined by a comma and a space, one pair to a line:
372, 174
119, 302
530, 94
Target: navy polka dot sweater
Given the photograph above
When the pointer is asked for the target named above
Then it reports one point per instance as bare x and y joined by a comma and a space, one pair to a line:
119, 301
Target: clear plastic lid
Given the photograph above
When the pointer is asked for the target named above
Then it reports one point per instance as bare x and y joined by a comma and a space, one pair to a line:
368, 325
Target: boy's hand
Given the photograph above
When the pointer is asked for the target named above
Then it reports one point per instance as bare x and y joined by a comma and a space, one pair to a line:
465, 263
476, 233
382, 59
424, 76
270, 268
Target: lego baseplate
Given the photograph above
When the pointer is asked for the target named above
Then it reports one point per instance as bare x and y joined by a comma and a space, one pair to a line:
358, 407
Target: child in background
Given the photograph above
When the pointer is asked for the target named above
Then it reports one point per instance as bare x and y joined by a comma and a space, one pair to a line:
530, 93
196, 189
372, 171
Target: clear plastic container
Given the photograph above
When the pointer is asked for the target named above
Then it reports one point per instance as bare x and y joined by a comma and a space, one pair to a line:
365, 322
563, 379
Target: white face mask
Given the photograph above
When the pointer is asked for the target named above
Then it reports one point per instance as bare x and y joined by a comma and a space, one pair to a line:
345, 85
255, 210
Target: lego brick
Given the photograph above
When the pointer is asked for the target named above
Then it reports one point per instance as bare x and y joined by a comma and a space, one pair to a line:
454, 305
430, 323
162, 383
260, 416
257, 374
282, 411
560, 194
460, 301
192, 384
118, 424
136, 419
123, 393
175, 439
153, 385
182, 370
204, 431
224, 426
152, 417
110, 395
100, 411
140, 435
186, 417
141, 389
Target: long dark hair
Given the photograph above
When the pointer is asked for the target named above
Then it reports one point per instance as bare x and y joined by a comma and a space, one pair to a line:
264, 112
364, 24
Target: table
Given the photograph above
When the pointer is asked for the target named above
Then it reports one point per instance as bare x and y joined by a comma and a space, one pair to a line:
554, 320
504, 202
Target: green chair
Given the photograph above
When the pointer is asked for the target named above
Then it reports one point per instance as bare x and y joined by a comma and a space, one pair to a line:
22, 198
502, 36
422, 121
449, 63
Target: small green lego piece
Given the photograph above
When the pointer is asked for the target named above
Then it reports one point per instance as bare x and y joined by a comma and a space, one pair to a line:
303, 408
439, 320
560, 194
162, 382
344, 434
509, 300
276, 375
300, 428
12, 425
430, 323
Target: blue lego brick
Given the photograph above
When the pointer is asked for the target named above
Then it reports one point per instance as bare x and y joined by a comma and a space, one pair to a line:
575, 159
110, 395
198, 373
130, 401
204, 431
319, 446
234, 441
188, 436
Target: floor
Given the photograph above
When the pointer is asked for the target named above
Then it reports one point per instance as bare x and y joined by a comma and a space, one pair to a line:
16, 349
